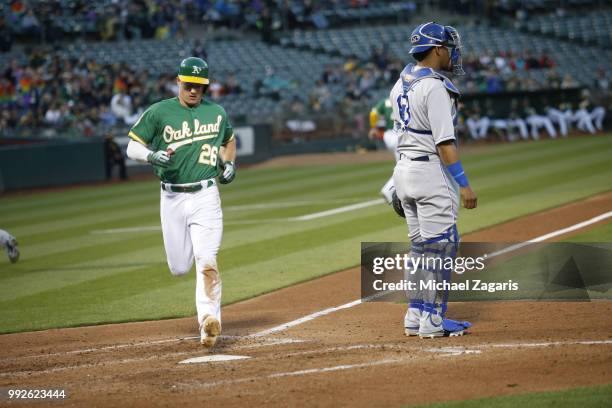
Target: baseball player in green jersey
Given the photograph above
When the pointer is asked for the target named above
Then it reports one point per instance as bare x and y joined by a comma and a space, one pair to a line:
381, 127
190, 143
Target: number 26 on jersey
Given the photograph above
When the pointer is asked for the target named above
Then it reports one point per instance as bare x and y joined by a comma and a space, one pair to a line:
208, 155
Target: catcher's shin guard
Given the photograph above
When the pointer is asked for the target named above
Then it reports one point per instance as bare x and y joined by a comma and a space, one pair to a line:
437, 273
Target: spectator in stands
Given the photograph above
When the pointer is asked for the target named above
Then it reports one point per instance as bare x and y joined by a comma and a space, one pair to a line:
568, 82
331, 75
531, 62
553, 80
53, 115
108, 25
121, 106
380, 57
265, 25
546, 61
216, 89
6, 36
272, 85
494, 83
320, 97
366, 82
602, 83
107, 118
299, 120
30, 25
7, 92
232, 87
199, 50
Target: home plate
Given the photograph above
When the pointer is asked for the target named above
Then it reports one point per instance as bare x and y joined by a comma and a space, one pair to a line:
212, 358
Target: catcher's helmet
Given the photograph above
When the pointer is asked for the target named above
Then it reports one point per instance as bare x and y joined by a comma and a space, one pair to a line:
194, 70
429, 35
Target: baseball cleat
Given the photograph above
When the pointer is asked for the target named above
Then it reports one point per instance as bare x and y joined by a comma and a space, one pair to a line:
209, 331
411, 331
412, 318
449, 328
12, 250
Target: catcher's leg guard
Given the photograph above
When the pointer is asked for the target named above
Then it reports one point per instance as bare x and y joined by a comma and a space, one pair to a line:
438, 251
412, 317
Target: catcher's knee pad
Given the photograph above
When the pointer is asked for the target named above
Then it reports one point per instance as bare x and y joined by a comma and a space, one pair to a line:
445, 244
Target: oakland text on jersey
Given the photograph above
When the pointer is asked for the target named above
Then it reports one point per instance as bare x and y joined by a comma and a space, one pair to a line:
171, 134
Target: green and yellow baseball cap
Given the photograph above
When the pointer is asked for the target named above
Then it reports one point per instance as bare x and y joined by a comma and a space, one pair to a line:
193, 70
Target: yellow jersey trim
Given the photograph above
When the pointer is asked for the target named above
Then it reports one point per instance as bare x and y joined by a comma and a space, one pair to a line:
193, 79
136, 138
229, 140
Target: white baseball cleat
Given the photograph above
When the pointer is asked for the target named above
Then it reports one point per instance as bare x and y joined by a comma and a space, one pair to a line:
408, 331
412, 319
209, 331
12, 250
446, 328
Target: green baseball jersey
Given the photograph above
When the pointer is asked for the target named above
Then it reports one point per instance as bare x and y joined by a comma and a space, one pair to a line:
195, 134
383, 111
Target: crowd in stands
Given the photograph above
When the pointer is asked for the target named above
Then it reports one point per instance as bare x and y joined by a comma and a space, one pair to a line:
51, 91
486, 74
55, 92
108, 20
52, 20
63, 93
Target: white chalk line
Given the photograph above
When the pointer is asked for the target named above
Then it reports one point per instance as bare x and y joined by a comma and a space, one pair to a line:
270, 342
288, 374
553, 234
284, 204
441, 352
305, 319
511, 248
327, 311
266, 342
338, 210
455, 350
307, 217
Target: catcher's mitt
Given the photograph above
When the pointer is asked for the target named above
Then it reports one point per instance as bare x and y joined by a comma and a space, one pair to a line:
397, 205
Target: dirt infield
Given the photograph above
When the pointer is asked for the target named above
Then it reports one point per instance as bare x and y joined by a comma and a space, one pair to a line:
356, 356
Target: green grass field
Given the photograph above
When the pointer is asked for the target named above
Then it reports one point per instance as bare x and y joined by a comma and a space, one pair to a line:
74, 271
599, 396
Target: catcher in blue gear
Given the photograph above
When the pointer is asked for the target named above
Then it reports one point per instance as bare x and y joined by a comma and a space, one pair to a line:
429, 179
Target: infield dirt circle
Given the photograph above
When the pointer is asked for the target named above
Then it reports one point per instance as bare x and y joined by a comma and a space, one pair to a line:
357, 356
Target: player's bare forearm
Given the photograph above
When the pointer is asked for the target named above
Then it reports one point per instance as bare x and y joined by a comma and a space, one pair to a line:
228, 153
448, 152
450, 157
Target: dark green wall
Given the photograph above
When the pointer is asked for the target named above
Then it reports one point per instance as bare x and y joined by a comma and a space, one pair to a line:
51, 164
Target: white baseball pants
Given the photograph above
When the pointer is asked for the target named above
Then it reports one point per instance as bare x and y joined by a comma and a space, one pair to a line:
192, 226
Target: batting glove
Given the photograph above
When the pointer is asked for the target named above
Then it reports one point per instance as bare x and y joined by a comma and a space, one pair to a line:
229, 172
159, 158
